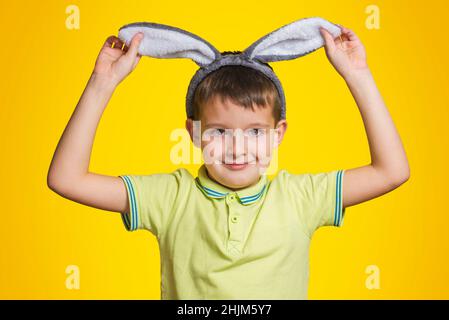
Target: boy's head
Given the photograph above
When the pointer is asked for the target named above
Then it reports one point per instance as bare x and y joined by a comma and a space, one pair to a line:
238, 110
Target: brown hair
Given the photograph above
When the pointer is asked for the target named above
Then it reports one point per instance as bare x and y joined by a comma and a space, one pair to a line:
244, 86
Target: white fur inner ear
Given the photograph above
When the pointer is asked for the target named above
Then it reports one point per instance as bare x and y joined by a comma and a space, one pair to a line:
296, 38
163, 43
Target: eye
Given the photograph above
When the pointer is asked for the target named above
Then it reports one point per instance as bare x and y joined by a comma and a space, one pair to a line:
217, 132
255, 132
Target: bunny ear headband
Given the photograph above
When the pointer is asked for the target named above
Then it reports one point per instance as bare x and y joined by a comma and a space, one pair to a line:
289, 42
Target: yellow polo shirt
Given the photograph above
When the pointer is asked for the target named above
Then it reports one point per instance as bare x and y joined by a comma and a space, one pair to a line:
216, 243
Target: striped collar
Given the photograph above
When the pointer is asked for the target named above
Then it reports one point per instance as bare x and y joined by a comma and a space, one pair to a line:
215, 190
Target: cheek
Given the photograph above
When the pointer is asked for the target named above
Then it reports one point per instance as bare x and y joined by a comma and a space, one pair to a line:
213, 149
262, 146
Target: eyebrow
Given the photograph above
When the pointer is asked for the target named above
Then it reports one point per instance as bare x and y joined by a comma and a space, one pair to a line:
256, 124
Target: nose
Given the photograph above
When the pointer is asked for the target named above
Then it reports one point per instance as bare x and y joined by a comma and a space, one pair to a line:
236, 147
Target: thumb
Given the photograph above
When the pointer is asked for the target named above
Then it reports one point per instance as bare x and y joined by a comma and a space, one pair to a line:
136, 61
328, 39
133, 48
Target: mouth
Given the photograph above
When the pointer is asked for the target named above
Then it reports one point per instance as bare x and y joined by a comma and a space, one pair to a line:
236, 166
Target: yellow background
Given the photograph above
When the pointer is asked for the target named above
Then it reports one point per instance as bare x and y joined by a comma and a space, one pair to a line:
45, 69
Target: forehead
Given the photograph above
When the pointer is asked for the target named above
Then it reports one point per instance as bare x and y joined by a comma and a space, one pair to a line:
229, 115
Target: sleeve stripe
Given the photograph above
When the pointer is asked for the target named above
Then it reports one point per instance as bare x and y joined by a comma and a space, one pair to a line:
337, 214
134, 216
125, 218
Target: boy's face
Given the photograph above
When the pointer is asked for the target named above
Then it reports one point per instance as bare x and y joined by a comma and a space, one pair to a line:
236, 143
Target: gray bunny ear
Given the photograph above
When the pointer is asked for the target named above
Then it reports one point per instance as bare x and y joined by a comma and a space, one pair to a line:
291, 41
162, 41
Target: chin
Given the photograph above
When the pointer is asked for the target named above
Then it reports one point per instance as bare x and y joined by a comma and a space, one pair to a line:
239, 178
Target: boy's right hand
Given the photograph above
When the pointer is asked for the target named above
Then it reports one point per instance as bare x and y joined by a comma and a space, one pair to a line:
114, 63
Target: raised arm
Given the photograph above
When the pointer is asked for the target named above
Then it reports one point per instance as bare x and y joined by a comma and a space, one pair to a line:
69, 174
389, 165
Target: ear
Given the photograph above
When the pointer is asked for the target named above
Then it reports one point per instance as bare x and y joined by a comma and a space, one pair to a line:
292, 40
162, 41
281, 128
194, 129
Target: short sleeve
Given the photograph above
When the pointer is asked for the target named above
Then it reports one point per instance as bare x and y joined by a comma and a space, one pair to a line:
151, 199
318, 198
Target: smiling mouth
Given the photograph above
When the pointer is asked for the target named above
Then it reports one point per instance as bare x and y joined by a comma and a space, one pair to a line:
236, 166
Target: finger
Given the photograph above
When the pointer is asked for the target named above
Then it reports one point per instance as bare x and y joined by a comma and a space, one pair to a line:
343, 32
118, 43
340, 26
351, 35
136, 61
348, 33
339, 41
113, 42
328, 39
108, 42
133, 48
125, 48
120, 46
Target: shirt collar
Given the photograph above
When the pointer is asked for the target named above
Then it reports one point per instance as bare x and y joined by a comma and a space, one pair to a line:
215, 190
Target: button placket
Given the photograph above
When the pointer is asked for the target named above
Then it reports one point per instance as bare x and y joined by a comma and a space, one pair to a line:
235, 225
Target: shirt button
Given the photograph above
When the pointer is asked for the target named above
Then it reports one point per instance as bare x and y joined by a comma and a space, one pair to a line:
234, 219
231, 197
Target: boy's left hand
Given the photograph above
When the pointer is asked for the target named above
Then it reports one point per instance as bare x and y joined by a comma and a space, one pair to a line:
346, 53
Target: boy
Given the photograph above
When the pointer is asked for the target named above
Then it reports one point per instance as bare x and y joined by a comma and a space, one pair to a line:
230, 233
